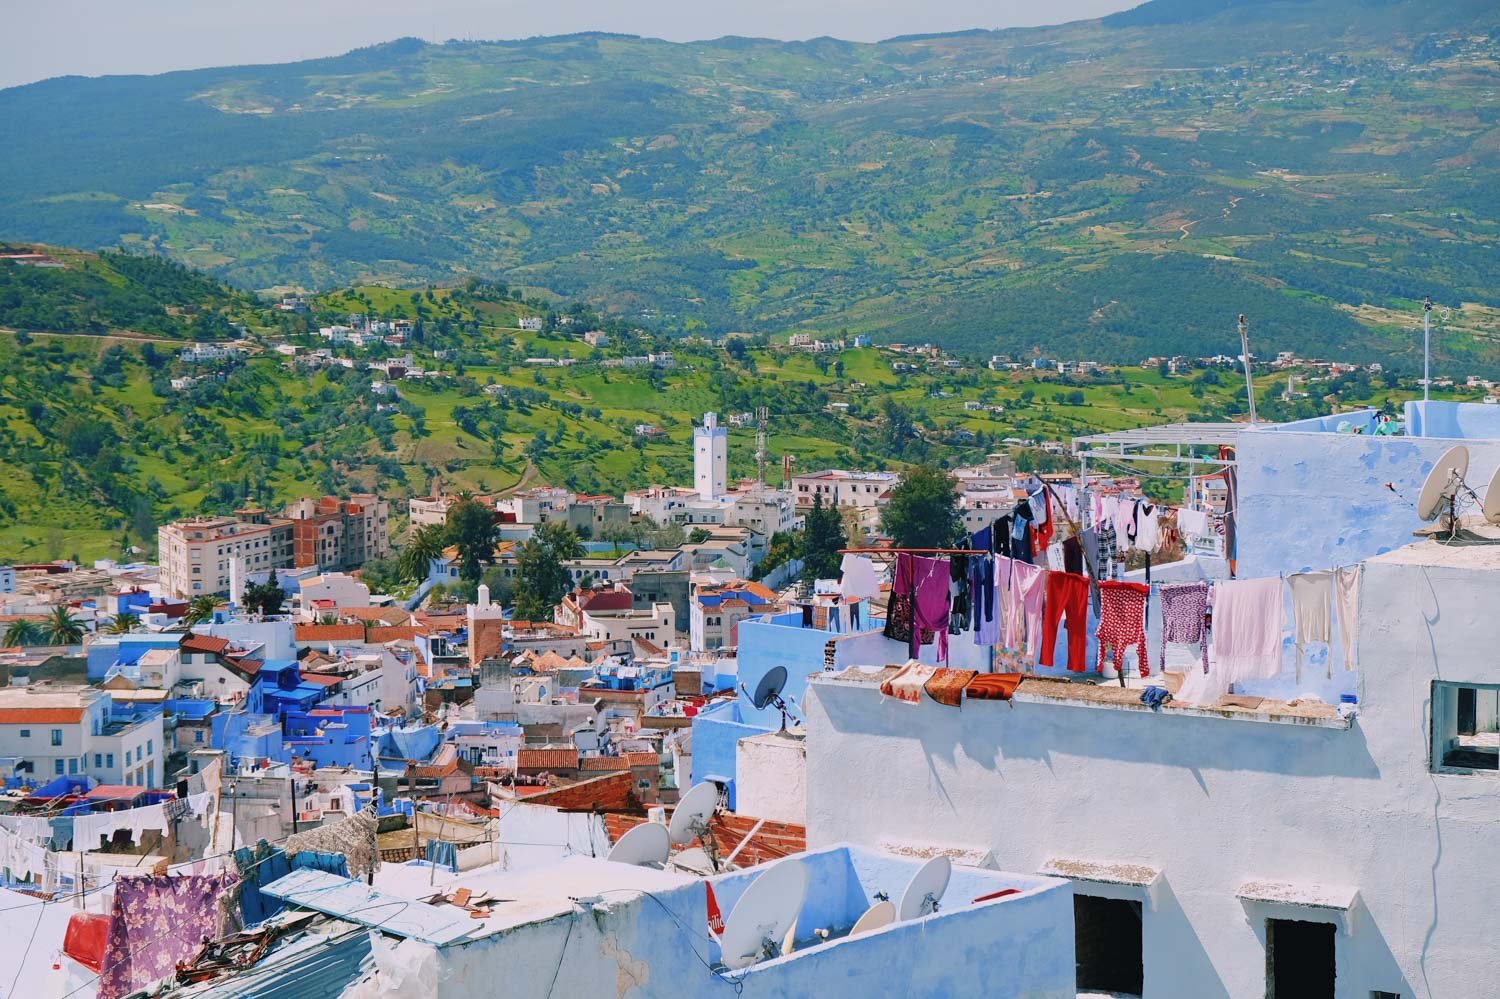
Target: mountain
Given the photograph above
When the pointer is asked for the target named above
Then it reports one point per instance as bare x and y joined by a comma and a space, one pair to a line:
1109, 188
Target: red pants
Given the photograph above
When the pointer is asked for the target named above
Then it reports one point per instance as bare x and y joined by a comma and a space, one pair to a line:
1067, 594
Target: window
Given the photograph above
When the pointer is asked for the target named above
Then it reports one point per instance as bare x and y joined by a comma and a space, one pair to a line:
57, 765
197, 735
72, 764
1465, 727
1385, 995
57, 737
98, 760
1107, 945
26, 733
109, 760
1299, 959
150, 749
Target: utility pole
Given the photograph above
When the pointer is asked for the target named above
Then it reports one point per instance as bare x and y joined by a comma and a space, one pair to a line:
1426, 347
1245, 355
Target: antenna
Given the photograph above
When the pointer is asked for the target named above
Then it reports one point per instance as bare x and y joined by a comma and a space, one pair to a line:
763, 915
647, 845
762, 418
1245, 356
1426, 349
690, 820
768, 693
925, 889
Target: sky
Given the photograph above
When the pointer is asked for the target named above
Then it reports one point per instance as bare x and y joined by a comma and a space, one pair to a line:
98, 37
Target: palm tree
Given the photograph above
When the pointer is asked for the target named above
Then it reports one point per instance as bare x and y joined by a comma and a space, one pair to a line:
200, 609
23, 631
63, 628
426, 544
124, 623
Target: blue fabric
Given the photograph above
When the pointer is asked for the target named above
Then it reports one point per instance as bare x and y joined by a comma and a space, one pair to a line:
1155, 697
265, 864
443, 854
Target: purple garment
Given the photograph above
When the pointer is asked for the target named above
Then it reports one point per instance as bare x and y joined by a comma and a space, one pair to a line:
930, 603
157, 922
1183, 606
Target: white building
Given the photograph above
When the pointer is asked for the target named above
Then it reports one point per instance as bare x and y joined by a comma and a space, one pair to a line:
67, 731
1266, 850
200, 353
710, 458
839, 487
654, 625
7, 579
338, 588
426, 510
532, 324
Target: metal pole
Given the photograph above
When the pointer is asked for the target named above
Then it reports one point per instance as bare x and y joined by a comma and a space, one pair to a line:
1426, 347
1245, 355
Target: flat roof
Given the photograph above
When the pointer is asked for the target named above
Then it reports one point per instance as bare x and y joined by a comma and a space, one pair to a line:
1460, 555
1166, 433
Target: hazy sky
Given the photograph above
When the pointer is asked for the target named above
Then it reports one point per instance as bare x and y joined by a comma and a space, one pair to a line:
43, 38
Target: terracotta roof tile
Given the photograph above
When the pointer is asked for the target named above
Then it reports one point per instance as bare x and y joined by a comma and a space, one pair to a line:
203, 643
329, 632
40, 716
555, 759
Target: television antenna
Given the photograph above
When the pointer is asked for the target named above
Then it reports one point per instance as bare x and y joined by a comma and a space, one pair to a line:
647, 845
925, 889
762, 419
763, 915
768, 693
691, 818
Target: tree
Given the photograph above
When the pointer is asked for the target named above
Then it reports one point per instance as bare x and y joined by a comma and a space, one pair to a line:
200, 609
822, 537
923, 509
427, 543
23, 632
124, 623
265, 598
471, 527
63, 628
541, 579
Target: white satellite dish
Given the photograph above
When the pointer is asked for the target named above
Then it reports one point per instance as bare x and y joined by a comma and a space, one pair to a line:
878, 915
690, 819
1443, 482
763, 915
925, 889
1491, 504
647, 845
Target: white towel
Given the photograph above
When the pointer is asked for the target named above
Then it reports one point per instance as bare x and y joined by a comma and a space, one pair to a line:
1248, 619
1346, 593
858, 578
1192, 523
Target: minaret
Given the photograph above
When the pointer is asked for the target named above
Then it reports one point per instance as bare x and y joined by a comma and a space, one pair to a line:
710, 458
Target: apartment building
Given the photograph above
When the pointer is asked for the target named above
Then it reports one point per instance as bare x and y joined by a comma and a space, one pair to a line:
334, 533
839, 487
196, 554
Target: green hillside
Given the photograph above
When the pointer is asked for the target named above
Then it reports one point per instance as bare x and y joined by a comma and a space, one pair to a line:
1108, 188
49, 289
105, 440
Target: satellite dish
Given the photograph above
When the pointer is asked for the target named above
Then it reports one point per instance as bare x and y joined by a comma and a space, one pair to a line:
763, 915
1491, 504
1443, 482
647, 845
768, 693
878, 915
770, 687
690, 818
925, 889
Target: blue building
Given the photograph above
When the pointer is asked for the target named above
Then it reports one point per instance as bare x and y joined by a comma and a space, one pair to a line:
107, 651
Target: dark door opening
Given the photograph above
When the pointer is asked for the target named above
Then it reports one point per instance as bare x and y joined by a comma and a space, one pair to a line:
1468, 710
1299, 959
1107, 945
